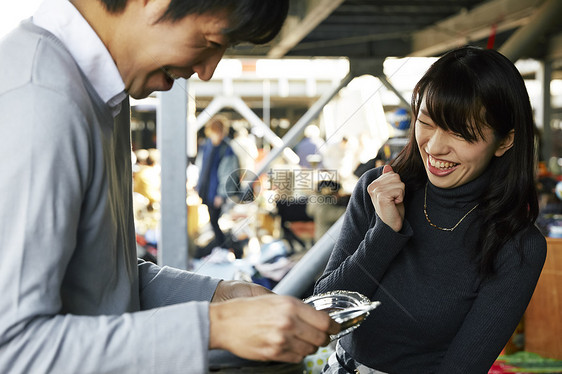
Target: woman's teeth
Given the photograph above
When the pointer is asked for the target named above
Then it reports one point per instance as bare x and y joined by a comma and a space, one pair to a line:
441, 164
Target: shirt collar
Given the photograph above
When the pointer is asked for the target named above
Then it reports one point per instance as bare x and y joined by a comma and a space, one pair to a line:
64, 21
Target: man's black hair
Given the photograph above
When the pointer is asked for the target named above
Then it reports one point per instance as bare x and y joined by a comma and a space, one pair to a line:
254, 21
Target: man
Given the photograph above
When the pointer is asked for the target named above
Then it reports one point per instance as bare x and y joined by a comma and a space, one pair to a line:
74, 298
219, 178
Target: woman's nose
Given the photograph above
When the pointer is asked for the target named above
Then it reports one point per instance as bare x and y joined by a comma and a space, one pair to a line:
438, 142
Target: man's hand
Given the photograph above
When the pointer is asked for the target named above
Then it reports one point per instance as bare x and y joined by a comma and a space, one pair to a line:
227, 290
387, 195
269, 328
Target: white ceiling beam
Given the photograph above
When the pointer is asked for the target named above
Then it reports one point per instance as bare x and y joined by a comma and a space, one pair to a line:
296, 28
473, 25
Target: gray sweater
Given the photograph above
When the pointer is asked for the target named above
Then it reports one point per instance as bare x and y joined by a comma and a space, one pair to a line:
437, 314
74, 299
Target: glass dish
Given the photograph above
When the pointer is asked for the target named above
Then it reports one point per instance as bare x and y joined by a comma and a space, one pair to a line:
348, 308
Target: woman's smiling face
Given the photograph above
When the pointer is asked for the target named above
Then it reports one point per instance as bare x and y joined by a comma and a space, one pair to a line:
450, 160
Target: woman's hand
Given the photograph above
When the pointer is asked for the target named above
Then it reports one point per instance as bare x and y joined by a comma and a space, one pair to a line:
387, 196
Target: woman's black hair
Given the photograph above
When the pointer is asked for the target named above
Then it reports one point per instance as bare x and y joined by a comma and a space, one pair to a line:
466, 90
254, 21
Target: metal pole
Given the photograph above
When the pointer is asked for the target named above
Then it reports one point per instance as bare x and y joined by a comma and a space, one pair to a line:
241, 107
384, 80
296, 131
546, 110
213, 108
235, 102
171, 139
267, 103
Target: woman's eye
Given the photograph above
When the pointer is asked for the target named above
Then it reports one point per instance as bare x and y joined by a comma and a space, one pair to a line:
424, 123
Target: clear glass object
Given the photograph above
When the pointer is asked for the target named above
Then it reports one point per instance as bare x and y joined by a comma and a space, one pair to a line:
348, 308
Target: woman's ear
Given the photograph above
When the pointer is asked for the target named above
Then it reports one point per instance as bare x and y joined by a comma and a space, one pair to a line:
505, 144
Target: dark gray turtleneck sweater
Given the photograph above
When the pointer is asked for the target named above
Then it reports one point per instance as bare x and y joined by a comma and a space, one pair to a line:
437, 314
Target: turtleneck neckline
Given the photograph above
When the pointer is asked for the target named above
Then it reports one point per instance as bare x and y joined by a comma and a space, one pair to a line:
458, 197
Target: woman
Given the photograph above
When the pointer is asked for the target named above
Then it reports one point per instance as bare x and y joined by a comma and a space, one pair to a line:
445, 237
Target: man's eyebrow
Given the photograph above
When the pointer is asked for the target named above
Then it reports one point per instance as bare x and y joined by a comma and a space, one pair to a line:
424, 112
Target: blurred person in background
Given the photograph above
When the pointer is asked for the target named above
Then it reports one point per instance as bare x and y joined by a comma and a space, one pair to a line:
76, 299
218, 177
146, 180
309, 146
244, 146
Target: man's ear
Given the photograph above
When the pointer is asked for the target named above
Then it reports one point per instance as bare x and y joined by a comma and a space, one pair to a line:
505, 144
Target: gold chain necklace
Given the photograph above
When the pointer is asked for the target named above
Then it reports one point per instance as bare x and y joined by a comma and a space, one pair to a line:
434, 225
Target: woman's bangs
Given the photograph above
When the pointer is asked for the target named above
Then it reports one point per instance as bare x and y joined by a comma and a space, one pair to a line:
456, 109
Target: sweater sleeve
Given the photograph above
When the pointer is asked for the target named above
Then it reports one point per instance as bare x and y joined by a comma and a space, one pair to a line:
365, 248
498, 308
160, 286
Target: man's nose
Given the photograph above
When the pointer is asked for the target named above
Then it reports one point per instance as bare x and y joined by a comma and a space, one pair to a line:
206, 69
